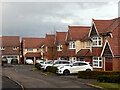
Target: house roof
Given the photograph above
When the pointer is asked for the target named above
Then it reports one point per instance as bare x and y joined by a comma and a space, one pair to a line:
31, 54
78, 32
49, 40
84, 52
115, 41
60, 37
68, 53
101, 25
10, 40
32, 42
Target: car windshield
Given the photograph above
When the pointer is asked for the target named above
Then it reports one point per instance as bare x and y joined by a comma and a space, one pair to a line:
48, 62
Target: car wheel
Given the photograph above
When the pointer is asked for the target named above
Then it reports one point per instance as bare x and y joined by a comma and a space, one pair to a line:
66, 72
88, 70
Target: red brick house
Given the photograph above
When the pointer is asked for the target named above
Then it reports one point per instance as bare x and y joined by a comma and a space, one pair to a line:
31, 48
61, 43
105, 50
49, 48
79, 45
10, 48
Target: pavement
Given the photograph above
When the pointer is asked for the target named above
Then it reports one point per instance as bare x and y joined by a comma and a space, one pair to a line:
35, 79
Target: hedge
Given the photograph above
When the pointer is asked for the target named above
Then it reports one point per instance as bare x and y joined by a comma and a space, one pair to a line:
95, 74
109, 78
38, 66
51, 69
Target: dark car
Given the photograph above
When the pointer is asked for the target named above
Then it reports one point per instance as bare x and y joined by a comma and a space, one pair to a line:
14, 61
4, 61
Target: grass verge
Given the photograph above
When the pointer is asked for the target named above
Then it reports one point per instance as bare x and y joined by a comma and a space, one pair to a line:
49, 73
108, 86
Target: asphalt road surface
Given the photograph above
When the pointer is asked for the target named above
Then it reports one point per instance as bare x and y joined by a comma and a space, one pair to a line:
35, 79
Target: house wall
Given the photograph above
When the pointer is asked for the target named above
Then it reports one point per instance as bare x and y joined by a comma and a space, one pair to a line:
116, 64
34, 50
80, 45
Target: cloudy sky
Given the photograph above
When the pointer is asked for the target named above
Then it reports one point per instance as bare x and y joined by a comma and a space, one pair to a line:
35, 19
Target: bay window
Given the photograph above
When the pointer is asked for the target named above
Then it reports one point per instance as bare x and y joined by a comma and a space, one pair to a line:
97, 62
72, 45
97, 41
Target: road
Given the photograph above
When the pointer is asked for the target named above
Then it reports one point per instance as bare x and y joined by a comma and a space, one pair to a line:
35, 79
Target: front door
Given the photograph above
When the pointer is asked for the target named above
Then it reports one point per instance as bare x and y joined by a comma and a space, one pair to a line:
108, 64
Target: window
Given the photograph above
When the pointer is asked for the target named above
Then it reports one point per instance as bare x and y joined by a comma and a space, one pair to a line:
59, 47
2, 48
15, 48
88, 43
97, 41
97, 62
58, 58
30, 50
81, 59
72, 45
37, 50
72, 59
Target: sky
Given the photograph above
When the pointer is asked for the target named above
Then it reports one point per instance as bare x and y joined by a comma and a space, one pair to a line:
35, 19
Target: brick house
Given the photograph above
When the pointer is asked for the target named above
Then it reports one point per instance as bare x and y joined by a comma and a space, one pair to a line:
105, 50
10, 48
49, 48
31, 48
60, 43
79, 45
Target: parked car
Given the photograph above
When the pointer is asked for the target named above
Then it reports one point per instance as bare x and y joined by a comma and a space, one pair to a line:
14, 61
39, 61
55, 63
4, 61
74, 67
46, 64
29, 61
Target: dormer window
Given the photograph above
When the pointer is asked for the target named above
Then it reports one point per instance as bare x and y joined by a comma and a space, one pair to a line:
72, 45
88, 43
15, 48
2, 48
97, 41
59, 47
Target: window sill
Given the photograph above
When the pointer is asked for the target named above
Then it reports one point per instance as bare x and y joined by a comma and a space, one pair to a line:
97, 67
71, 48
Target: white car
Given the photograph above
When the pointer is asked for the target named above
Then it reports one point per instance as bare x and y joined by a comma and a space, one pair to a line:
29, 61
74, 67
46, 64
39, 61
55, 63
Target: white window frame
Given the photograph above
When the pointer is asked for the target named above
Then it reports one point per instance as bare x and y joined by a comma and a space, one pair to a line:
2, 48
15, 48
29, 50
72, 45
88, 43
96, 62
59, 47
97, 39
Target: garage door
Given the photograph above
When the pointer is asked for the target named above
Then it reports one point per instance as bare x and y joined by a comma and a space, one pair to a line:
108, 64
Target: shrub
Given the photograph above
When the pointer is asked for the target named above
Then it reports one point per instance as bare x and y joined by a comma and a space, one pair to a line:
51, 69
95, 74
109, 79
38, 66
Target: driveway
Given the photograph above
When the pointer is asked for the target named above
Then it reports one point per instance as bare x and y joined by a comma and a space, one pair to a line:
35, 79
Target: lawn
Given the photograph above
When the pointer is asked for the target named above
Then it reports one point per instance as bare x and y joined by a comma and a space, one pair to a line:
109, 86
